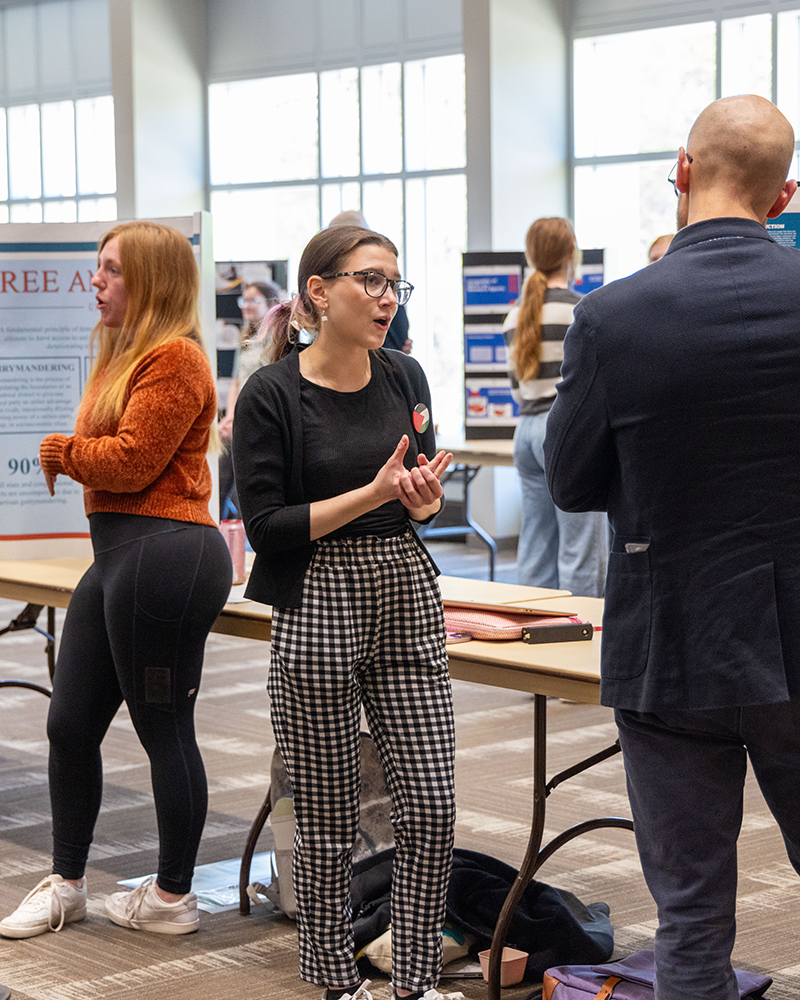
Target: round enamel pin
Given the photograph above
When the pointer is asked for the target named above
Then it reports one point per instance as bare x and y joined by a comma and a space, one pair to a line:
421, 418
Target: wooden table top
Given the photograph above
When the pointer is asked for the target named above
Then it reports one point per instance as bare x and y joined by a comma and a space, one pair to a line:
588, 608
499, 452
561, 669
558, 669
460, 588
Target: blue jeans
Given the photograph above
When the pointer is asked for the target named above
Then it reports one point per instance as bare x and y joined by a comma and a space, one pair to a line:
686, 773
564, 551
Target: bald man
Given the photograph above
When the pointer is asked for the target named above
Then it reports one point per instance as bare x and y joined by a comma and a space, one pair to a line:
689, 438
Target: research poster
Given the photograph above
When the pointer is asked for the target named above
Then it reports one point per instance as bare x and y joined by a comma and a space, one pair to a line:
492, 285
493, 282
489, 288
47, 312
785, 229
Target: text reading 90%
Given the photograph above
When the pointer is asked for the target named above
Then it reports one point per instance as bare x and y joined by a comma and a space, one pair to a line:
23, 466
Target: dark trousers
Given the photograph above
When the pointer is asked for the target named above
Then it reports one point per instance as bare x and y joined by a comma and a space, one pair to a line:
686, 773
135, 630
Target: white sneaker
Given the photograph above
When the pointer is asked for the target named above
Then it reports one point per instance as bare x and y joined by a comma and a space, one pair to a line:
362, 993
434, 995
47, 907
144, 910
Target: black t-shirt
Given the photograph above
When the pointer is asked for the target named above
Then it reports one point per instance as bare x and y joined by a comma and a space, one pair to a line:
348, 437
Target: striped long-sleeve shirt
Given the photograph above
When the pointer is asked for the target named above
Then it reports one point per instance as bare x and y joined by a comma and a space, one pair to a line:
537, 395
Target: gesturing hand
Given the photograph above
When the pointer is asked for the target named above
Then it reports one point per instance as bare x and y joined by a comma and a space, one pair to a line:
50, 451
418, 487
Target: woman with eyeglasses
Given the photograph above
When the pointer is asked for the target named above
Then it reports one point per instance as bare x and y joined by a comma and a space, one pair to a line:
564, 551
335, 457
256, 301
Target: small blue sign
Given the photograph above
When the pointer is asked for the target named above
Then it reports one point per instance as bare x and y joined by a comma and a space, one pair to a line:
491, 288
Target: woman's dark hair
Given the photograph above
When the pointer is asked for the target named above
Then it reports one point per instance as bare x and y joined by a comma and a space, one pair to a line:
325, 254
267, 289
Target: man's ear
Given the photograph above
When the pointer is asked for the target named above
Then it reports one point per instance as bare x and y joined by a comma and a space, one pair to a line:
682, 172
317, 291
782, 200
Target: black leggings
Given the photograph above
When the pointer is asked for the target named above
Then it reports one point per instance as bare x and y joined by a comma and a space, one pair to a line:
136, 630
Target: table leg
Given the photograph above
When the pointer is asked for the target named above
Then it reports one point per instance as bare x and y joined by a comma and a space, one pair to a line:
535, 855
249, 849
51, 642
26, 684
468, 473
28, 618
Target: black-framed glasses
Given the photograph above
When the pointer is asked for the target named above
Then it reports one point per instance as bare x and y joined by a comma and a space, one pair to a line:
375, 284
673, 180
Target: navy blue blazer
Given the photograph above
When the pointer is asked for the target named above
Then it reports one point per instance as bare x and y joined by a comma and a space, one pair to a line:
679, 414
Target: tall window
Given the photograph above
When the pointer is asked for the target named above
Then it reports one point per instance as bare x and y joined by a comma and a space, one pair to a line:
636, 95
288, 153
57, 161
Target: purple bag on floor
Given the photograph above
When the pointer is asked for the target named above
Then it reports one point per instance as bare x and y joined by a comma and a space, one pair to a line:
629, 979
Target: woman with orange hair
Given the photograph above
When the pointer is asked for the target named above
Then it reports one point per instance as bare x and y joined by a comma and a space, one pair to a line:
565, 551
137, 623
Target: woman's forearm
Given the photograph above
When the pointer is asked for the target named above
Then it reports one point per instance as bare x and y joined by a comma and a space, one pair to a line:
335, 512
423, 513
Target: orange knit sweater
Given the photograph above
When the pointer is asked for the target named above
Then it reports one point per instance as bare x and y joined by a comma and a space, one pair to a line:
152, 460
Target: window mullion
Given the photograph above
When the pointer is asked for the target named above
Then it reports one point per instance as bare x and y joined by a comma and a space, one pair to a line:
41, 157
75, 134
774, 89
360, 142
403, 161
8, 164
319, 149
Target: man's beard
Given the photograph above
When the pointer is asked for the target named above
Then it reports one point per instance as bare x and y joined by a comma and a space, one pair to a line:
682, 212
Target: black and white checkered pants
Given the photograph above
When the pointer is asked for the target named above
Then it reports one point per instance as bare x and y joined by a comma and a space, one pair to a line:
370, 631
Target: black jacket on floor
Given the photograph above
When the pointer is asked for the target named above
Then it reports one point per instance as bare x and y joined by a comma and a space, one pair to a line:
552, 925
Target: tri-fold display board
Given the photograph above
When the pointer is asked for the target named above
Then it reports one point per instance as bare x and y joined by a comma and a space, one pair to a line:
493, 283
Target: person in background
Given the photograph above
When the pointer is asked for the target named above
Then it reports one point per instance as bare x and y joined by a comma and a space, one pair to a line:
335, 457
258, 298
558, 550
659, 247
677, 414
136, 626
397, 338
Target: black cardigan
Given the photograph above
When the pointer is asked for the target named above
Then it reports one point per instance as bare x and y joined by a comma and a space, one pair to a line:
268, 464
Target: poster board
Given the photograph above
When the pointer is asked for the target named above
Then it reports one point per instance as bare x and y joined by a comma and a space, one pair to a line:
785, 229
492, 285
47, 312
493, 282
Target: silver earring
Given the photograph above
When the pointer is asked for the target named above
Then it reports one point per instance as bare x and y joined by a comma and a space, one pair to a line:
323, 318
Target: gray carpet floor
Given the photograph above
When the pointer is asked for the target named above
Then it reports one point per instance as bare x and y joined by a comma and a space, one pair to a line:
238, 958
